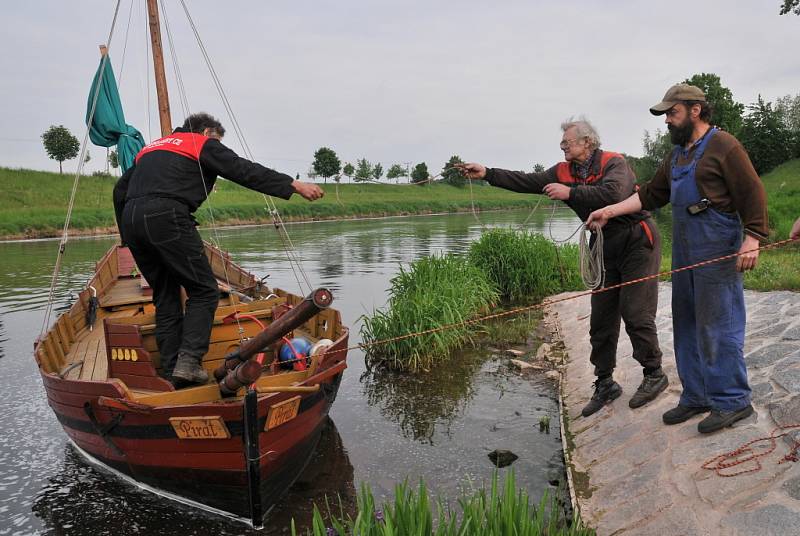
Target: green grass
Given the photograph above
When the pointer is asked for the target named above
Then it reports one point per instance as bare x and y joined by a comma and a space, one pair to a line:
34, 203
525, 265
437, 291
503, 510
432, 292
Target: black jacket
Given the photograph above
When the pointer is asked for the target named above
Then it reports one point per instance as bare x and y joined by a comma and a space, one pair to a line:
162, 173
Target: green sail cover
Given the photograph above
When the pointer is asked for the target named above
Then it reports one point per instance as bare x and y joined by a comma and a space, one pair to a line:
108, 126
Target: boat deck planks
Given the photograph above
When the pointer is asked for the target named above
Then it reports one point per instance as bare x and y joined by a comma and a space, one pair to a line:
125, 292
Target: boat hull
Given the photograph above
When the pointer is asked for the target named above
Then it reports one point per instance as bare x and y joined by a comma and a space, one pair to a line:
142, 443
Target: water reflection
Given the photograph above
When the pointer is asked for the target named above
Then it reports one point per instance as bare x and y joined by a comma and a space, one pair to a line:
86, 501
418, 403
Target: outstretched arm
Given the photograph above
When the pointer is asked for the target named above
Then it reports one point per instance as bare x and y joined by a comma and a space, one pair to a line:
600, 217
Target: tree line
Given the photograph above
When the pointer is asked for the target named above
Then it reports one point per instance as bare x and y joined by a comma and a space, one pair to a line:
327, 165
769, 131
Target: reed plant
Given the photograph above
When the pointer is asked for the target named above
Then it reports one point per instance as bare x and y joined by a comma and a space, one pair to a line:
502, 510
432, 292
525, 265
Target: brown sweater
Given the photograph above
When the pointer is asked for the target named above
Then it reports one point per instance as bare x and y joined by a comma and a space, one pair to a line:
725, 176
617, 184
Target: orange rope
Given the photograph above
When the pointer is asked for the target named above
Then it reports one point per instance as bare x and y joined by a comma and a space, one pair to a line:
718, 464
545, 303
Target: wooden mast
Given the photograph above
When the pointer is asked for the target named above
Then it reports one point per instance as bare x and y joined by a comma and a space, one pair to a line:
158, 64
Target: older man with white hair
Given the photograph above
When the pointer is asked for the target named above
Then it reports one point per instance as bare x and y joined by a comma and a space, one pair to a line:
587, 180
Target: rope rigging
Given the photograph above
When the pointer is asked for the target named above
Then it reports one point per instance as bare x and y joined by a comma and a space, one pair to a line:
62, 246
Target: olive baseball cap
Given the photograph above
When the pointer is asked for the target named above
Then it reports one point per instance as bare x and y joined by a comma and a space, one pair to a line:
675, 94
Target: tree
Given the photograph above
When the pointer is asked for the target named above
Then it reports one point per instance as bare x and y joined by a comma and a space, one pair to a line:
790, 6
766, 138
377, 171
656, 147
348, 170
60, 144
788, 108
396, 171
326, 163
538, 168
420, 173
726, 113
113, 159
363, 171
451, 175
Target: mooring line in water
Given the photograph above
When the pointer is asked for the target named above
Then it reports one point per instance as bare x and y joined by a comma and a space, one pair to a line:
545, 303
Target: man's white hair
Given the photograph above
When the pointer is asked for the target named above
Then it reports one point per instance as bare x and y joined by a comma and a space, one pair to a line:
583, 129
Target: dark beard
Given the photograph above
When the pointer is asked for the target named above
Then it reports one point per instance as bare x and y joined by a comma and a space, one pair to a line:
681, 135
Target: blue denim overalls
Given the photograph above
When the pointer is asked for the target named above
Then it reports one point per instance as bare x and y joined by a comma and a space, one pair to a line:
708, 314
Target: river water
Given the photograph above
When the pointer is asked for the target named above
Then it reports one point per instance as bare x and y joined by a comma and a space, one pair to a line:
383, 428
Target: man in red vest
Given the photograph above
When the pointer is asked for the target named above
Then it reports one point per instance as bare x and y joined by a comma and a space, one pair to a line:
154, 202
588, 179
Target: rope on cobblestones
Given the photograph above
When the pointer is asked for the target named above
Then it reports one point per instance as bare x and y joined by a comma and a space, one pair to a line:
750, 453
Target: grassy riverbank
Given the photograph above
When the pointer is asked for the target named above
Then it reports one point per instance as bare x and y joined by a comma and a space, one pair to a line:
34, 203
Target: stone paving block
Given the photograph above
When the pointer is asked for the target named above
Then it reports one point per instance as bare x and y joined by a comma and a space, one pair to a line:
788, 377
792, 334
771, 354
769, 520
770, 332
792, 488
647, 450
762, 392
786, 412
630, 485
675, 521
633, 513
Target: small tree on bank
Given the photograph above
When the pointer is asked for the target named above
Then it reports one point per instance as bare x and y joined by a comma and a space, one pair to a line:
60, 144
377, 171
363, 171
326, 163
790, 6
348, 170
396, 171
451, 175
420, 173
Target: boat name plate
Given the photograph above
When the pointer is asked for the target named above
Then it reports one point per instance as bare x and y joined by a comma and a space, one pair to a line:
282, 412
200, 427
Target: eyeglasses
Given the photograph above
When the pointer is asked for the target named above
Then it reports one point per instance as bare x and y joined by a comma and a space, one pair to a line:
566, 143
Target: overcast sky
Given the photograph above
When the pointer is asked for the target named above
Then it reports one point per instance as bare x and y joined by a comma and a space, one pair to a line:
394, 81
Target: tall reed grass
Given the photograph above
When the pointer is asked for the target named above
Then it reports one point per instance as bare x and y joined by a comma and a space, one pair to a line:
433, 291
503, 510
525, 265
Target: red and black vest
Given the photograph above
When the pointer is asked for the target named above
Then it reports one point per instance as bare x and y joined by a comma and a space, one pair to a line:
186, 144
564, 170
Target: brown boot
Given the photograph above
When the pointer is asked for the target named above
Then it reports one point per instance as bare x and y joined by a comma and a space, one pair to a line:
188, 371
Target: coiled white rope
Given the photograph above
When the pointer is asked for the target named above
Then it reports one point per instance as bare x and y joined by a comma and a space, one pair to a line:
593, 272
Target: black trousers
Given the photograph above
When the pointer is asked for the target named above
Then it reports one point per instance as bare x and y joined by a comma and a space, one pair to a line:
163, 239
628, 254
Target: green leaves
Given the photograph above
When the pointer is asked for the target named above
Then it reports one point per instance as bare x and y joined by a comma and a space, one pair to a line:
60, 144
326, 163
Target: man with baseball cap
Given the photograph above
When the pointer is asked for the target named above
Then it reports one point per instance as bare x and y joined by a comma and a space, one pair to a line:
718, 208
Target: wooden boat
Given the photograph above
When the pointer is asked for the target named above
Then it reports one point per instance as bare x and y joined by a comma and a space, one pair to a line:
233, 450
235, 455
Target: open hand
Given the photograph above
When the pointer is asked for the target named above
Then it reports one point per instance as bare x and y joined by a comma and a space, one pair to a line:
472, 170
309, 191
